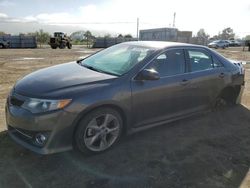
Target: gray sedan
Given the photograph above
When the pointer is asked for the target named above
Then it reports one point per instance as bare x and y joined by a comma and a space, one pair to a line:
89, 104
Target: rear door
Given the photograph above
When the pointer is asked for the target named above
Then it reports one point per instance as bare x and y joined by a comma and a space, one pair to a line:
206, 76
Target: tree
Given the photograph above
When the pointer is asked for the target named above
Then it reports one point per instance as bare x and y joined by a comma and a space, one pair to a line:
202, 34
2, 33
227, 34
120, 36
31, 34
107, 35
247, 37
215, 37
128, 36
88, 36
42, 37
202, 37
77, 35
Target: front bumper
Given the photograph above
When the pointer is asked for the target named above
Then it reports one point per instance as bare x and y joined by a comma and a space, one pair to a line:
23, 126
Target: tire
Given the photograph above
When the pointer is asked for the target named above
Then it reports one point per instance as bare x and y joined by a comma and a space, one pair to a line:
226, 99
220, 104
54, 47
98, 131
69, 46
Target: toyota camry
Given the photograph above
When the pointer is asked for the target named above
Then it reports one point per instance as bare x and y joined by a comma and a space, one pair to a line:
90, 103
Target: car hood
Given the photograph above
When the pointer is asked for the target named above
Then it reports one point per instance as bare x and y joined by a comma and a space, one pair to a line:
58, 77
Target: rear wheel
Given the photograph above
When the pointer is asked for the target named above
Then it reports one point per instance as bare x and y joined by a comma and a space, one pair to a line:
69, 46
220, 104
227, 98
98, 131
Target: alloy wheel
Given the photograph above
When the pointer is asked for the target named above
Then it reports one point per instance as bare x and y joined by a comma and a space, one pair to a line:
101, 132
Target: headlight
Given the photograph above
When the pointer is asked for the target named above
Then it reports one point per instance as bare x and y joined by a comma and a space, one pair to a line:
43, 105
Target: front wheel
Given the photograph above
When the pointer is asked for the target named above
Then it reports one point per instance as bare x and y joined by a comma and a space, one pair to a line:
98, 131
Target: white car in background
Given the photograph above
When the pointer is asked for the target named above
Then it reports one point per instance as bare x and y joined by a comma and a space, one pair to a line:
218, 44
235, 43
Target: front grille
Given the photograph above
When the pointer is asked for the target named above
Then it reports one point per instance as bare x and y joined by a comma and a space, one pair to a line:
15, 101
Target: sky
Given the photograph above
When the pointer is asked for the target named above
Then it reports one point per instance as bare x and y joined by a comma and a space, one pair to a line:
120, 16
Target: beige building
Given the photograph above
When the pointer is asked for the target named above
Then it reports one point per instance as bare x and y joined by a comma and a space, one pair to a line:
165, 34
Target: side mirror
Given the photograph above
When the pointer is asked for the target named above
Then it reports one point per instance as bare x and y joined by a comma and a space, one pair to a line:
148, 74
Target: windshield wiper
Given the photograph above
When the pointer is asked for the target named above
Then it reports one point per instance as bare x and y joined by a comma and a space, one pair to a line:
91, 68
98, 70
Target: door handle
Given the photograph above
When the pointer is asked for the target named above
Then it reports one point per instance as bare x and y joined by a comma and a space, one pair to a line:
221, 75
184, 82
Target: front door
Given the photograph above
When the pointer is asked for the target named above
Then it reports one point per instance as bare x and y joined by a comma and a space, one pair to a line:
157, 100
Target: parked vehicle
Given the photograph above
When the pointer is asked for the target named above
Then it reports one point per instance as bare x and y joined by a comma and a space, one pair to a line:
218, 44
234, 43
4, 44
60, 40
228, 43
91, 103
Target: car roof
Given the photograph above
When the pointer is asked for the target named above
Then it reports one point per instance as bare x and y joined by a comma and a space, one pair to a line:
159, 44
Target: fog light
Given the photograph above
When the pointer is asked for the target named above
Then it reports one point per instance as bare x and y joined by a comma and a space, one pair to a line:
40, 139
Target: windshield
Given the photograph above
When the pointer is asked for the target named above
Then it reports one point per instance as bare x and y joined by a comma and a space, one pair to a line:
118, 59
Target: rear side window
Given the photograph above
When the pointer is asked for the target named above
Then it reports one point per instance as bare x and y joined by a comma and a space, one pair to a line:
172, 62
199, 60
216, 62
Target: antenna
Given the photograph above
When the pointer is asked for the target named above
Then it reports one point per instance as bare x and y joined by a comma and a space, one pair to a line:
174, 20
137, 29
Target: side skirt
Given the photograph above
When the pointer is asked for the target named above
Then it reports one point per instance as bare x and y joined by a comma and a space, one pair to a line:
133, 130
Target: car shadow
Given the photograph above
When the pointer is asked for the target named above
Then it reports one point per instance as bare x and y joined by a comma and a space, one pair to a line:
210, 150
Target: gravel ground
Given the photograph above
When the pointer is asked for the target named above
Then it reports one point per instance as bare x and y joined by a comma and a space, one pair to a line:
211, 150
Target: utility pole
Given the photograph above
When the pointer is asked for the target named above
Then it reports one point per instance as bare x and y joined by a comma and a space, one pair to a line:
137, 31
174, 20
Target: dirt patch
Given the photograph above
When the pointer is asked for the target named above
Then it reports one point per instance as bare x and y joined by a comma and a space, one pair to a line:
209, 151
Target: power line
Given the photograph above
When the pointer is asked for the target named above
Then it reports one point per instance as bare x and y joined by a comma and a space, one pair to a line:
69, 23
80, 23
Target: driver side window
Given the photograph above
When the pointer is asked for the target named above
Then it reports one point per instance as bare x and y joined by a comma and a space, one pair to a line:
169, 63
